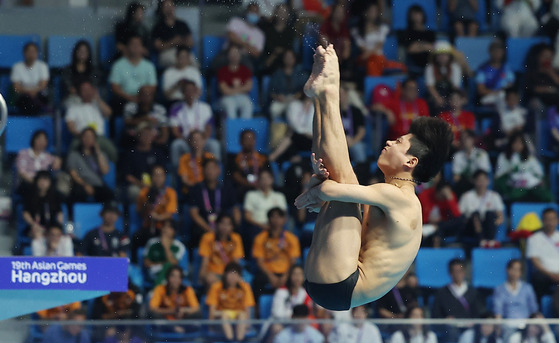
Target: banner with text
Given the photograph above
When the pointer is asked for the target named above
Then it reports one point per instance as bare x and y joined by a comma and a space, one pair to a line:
69, 273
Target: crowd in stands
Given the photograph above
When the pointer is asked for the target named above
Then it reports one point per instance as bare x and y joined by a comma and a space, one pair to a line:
214, 231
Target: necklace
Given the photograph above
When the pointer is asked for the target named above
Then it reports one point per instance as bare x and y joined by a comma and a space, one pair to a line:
402, 179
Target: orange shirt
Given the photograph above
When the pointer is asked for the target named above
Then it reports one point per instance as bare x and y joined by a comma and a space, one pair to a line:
234, 298
52, 312
276, 252
220, 253
118, 301
163, 203
161, 299
250, 163
193, 171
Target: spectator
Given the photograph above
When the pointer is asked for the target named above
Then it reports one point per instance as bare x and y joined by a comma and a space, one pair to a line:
299, 134
190, 164
34, 159
42, 206
543, 81
122, 334
182, 70
244, 33
467, 161
414, 332
133, 24
537, 333
553, 125
482, 332
279, 36
275, 251
441, 211
231, 299
519, 176
494, 76
219, 247
209, 199
118, 305
30, 80
456, 117
146, 110
518, 17
124, 87
512, 115
137, 163
335, 30
54, 243
248, 163
87, 166
286, 84
188, 116
235, 82
417, 40
163, 252
463, 16
483, 210
301, 331
369, 37
169, 33
353, 121
173, 300
542, 250
395, 303
514, 299
290, 295
60, 312
456, 300
106, 240
72, 333
442, 75
91, 112
80, 70
260, 201
357, 331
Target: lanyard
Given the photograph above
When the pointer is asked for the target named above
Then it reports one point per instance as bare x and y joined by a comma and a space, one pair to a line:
254, 164
221, 251
406, 121
399, 300
461, 299
217, 200
103, 240
281, 245
194, 166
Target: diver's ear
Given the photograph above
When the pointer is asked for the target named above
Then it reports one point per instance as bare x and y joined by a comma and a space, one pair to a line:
411, 162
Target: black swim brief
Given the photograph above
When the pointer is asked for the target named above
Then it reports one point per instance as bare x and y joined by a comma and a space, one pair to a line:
333, 296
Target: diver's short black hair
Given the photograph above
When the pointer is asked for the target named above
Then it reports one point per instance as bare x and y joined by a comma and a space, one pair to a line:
430, 143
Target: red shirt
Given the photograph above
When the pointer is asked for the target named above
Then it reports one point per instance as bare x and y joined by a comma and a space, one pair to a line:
448, 208
405, 113
335, 37
465, 121
235, 78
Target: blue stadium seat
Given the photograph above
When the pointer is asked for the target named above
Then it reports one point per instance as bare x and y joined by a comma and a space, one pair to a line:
519, 209
107, 50
546, 305
309, 42
400, 13
371, 82
196, 265
390, 48
87, 216
255, 95
475, 49
554, 178
431, 266
12, 48
233, 128
211, 46
134, 220
60, 49
20, 130
305, 253
545, 140
489, 266
517, 48
265, 306
110, 177
480, 16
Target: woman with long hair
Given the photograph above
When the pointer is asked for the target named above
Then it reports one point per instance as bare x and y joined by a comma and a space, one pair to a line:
80, 70
442, 76
42, 206
415, 333
482, 333
417, 40
133, 23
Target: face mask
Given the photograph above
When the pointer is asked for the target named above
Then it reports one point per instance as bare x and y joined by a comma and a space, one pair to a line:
253, 18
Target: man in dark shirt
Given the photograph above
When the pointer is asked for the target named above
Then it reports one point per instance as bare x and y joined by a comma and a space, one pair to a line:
169, 33
105, 240
247, 164
209, 199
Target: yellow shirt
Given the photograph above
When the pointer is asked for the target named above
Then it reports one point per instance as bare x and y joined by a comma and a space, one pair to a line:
220, 253
234, 298
161, 299
276, 252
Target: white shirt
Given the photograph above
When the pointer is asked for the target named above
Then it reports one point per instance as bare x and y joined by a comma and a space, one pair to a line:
512, 118
372, 39
347, 333
249, 34
469, 335
283, 302
524, 174
310, 335
172, 75
455, 75
478, 159
158, 112
259, 204
65, 247
546, 338
189, 118
545, 248
86, 115
471, 202
398, 337
300, 117
458, 291
30, 77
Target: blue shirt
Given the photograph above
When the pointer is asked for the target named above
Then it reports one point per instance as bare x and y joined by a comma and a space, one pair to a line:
131, 77
515, 306
494, 79
56, 334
